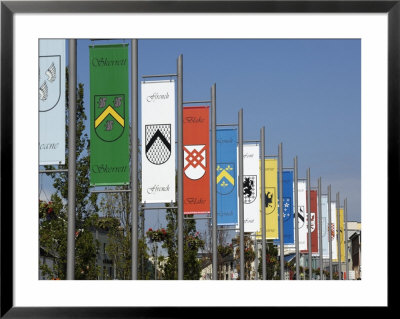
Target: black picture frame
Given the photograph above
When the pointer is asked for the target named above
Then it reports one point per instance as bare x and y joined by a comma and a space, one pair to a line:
9, 8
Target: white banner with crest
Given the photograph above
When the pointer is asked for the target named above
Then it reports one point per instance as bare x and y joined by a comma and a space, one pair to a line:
333, 231
158, 141
302, 203
51, 96
251, 187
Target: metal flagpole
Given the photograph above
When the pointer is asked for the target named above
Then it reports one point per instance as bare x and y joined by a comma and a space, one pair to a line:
330, 233
71, 160
264, 245
338, 236
256, 259
296, 220
180, 166
240, 193
321, 261
345, 238
213, 183
282, 246
309, 225
134, 156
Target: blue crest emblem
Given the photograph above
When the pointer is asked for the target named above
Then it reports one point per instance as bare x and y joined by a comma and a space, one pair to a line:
226, 174
287, 208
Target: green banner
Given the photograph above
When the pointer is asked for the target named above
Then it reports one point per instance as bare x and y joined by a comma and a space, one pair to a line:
109, 115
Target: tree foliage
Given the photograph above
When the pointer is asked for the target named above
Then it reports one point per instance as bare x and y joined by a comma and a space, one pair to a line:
192, 244
272, 263
249, 256
53, 227
116, 207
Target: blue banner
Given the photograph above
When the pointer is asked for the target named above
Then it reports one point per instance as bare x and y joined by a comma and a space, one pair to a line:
227, 177
288, 216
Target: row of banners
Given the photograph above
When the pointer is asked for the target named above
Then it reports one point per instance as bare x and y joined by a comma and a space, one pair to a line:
110, 153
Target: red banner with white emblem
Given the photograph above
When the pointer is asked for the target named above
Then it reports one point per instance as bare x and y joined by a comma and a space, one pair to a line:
314, 223
196, 160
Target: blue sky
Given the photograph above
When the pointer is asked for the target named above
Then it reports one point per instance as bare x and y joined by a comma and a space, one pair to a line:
307, 94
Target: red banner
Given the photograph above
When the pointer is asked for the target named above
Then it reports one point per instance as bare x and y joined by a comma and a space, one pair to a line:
196, 160
314, 223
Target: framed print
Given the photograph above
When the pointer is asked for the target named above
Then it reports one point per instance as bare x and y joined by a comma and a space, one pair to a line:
376, 24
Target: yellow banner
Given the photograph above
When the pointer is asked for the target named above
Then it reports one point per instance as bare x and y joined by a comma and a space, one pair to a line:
271, 201
342, 239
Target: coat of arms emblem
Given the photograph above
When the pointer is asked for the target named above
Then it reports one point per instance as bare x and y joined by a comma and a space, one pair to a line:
301, 216
270, 200
225, 178
332, 231
49, 82
109, 116
194, 161
158, 143
287, 208
312, 222
249, 188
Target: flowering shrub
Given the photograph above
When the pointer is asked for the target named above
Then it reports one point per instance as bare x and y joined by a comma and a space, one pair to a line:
225, 250
271, 259
249, 254
157, 235
46, 210
194, 241
335, 275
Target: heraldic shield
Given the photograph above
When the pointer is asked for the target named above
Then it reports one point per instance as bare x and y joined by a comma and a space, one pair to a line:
194, 161
109, 116
333, 231
270, 200
312, 222
158, 143
287, 205
301, 216
49, 82
225, 178
249, 188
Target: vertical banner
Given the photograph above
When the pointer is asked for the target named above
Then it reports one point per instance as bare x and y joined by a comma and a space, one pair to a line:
333, 232
109, 115
302, 202
251, 188
196, 167
226, 177
325, 227
342, 241
314, 222
271, 200
51, 101
288, 218
158, 142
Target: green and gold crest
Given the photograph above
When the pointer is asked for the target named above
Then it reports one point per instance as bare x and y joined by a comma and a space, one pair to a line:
109, 119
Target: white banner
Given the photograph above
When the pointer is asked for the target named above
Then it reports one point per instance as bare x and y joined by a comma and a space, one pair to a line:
302, 202
333, 232
51, 101
325, 227
251, 187
158, 141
